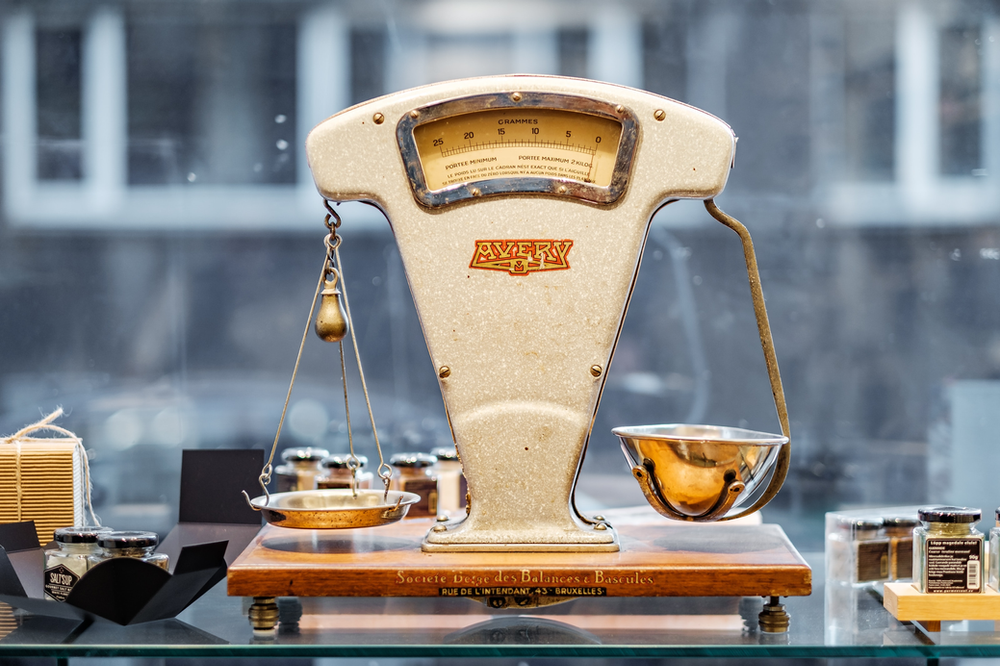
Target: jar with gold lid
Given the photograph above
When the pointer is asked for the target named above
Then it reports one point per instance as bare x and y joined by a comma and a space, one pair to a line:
948, 551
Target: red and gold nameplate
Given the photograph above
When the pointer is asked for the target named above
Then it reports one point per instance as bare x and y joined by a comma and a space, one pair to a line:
519, 257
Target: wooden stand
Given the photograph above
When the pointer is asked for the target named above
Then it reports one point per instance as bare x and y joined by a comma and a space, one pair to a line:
654, 561
905, 603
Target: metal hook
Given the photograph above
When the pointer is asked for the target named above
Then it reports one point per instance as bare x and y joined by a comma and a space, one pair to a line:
331, 213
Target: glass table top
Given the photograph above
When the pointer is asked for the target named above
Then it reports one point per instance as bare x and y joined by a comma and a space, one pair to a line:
833, 622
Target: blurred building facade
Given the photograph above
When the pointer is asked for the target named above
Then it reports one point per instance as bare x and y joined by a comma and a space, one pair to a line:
160, 232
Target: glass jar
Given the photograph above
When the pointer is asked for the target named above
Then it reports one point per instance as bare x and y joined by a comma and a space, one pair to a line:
140, 545
948, 551
899, 530
858, 552
414, 473
337, 472
302, 466
452, 486
995, 553
69, 560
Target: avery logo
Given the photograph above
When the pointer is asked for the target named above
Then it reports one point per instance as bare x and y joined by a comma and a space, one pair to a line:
518, 257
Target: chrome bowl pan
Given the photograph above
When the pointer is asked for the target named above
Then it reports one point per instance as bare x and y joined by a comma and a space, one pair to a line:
698, 472
335, 508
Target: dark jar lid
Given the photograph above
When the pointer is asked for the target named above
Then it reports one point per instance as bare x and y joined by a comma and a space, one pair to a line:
860, 524
949, 514
79, 534
128, 540
446, 453
305, 454
412, 460
900, 521
343, 461
899, 525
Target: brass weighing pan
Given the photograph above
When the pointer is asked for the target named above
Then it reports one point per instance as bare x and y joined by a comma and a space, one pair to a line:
699, 472
334, 508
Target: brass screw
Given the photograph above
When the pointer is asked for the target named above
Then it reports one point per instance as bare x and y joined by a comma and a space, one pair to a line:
442, 519
516, 97
562, 189
600, 526
659, 114
620, 109
378, 118
440, 528
476, 191
444, 371
601, 518
414, 114
596, 370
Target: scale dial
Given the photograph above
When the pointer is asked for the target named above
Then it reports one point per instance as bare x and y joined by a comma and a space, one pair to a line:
517, 143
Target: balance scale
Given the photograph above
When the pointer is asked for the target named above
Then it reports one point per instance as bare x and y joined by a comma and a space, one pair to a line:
521, 206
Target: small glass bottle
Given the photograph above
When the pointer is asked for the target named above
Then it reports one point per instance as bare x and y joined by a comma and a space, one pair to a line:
899, 529
452, 486
302, 466
66, 564
948, 551
140, 545
995, 553
858, 554
414, 473
337, 472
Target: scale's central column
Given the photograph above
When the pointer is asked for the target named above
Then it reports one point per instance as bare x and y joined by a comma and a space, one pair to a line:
520, 301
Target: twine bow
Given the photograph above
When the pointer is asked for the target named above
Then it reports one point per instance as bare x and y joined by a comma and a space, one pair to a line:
47, 424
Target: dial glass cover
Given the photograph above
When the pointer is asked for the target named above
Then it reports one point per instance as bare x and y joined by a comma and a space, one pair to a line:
533, 143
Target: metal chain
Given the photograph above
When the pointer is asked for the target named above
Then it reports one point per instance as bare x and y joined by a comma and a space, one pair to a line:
265, 472
332, 272
384, 471
332, 241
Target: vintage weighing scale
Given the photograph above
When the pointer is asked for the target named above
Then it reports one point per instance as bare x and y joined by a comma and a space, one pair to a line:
521, 205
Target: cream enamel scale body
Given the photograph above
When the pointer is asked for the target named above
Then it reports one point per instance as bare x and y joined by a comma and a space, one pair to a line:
521, 250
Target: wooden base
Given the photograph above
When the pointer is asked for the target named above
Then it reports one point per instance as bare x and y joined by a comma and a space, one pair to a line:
654, 560
905, 603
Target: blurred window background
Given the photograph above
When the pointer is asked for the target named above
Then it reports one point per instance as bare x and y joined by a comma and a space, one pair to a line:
160, 233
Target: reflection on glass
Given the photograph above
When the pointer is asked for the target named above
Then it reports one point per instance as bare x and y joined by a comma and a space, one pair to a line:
961, 89
58, 55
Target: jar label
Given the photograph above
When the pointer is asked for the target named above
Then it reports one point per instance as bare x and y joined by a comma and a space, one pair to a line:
873, 560
954, 565
59, 581
902, 559
427, 489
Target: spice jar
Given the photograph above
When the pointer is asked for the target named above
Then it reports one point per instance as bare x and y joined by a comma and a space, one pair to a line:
337, 472
140, 545
414, 473
452, 486
995, 554
66, 564
899, 529
300, 470
948, 551
857, 551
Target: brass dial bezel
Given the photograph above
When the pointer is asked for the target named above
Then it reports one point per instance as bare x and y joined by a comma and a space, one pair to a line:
559, 187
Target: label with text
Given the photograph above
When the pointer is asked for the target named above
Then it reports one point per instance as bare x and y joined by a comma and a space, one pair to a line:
59, 582
520, 256
954, 565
